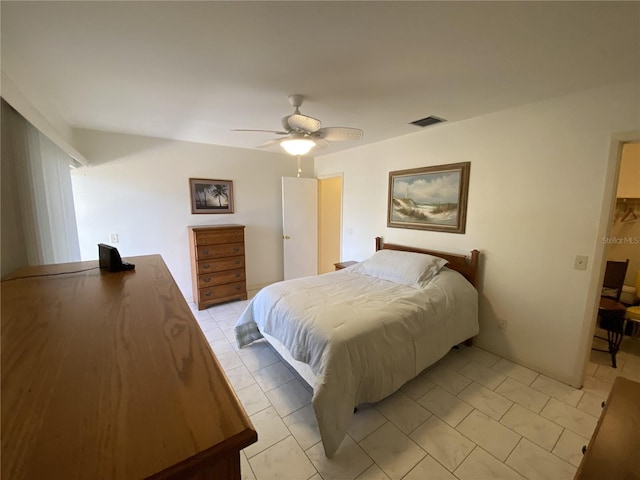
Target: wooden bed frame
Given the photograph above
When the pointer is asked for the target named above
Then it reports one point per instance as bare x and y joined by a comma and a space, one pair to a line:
467, 266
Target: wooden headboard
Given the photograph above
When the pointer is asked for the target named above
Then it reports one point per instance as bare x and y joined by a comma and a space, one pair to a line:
467, 266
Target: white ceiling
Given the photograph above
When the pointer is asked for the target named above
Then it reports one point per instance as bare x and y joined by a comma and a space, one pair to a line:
196, 70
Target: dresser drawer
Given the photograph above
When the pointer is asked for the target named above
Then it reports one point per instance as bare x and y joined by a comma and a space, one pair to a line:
205, 252
221, 278
213, 237
219, 264
222, 291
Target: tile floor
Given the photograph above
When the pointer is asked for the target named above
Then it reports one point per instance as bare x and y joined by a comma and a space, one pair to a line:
473, 415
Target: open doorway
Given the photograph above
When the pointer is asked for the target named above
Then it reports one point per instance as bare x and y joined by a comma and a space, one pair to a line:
312, 225
329, 222
621, 243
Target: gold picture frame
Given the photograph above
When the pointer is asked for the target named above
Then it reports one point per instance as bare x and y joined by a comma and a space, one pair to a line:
429, 198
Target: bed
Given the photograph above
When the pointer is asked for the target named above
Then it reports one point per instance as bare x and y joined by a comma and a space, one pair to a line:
358, 334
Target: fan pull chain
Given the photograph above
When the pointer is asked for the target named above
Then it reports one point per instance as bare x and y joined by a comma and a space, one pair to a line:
299, 168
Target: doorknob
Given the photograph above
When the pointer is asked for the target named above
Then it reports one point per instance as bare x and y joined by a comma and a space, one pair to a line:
286, 237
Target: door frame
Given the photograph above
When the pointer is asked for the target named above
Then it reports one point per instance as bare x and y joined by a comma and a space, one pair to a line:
599, 258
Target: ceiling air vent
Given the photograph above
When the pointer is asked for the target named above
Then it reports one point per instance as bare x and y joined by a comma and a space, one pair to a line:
425, 122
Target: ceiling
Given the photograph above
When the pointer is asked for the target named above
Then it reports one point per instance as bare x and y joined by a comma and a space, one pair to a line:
196, 70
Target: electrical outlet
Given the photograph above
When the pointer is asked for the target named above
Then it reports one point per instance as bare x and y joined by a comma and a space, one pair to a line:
581, 262
113, 238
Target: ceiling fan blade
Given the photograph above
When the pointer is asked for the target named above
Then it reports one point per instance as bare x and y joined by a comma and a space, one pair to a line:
269, 143
320, 143
297, 121
337, 134
253, 130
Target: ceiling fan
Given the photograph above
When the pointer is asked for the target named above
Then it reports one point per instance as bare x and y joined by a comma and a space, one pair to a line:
302, 133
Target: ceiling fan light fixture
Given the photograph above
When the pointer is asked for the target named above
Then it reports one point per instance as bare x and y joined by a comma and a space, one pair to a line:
304, 133
297, 146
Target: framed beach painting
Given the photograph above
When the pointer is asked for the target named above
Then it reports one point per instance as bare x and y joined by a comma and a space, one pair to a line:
211, 196
429, 198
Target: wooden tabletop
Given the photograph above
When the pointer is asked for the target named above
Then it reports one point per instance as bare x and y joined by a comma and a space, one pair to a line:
108, 375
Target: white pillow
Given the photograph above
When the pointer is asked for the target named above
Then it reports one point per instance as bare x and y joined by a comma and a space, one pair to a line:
407, 268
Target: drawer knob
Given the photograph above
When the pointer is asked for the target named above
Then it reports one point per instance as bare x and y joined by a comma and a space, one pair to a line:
238, 287
206, 265
237, 275
207, 294
237, 262
205, 252
236, 249
206, 279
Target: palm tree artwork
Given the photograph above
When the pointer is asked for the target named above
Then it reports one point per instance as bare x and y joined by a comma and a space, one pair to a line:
212, 196
219, 192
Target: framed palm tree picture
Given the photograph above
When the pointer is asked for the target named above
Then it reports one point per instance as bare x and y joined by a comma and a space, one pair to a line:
211, 196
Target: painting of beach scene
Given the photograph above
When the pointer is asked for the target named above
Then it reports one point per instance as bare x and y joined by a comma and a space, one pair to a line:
429, 198
211, 196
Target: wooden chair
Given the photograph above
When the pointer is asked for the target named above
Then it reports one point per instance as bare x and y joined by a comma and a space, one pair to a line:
611, 312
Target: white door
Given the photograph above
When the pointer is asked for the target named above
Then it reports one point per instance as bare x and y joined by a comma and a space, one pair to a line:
300, 226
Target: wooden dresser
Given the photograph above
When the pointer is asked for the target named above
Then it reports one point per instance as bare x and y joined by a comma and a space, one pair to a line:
107, 375
217, 264
614, 449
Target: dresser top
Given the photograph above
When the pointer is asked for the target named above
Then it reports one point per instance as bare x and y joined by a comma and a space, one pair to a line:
108, 375
209, 227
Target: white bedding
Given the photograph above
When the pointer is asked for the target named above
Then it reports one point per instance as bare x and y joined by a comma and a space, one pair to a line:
362, 337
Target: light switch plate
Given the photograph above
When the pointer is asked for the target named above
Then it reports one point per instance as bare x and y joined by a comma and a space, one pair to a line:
581, 262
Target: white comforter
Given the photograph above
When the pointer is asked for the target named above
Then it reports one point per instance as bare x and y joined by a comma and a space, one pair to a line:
362, 337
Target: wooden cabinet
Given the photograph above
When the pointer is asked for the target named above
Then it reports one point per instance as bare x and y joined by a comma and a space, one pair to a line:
614, 446
107, 375
217, 264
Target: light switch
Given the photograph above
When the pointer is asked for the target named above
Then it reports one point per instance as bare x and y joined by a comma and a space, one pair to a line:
581, 262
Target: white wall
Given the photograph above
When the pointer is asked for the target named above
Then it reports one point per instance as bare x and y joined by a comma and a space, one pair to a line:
535, 202
137, 187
